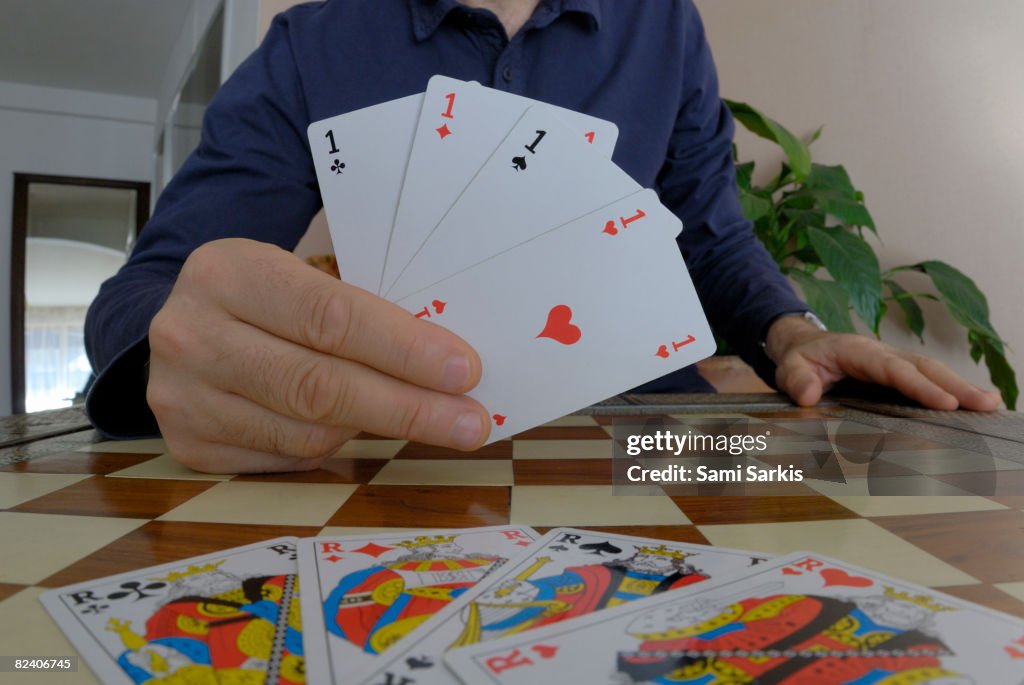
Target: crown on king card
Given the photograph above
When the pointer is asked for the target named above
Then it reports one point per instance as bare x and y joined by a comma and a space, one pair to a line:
192, 571
425, 541
663, 551
920, 600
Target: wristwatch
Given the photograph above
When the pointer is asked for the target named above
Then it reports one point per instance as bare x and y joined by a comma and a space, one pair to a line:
809, 317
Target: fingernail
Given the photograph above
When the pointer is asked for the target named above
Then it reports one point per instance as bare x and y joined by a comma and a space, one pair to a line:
467, 431
456, 373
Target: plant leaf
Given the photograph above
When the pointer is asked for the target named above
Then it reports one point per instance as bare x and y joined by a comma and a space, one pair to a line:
911, 310
976, 347
853, 265
744, 174
835, 178
757, 123
754, 206
828, 299
1000, 371
962, 298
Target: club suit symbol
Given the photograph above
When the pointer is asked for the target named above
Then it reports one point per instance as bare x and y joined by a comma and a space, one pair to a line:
559, 326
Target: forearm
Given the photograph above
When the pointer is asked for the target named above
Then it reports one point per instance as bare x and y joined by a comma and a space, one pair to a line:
741, 289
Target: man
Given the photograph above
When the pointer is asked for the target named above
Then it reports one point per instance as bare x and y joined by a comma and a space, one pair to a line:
259, 363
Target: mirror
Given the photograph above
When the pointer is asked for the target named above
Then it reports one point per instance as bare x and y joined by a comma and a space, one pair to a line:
74, 234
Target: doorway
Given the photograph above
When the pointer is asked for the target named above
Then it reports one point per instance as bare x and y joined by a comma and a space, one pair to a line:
68, 236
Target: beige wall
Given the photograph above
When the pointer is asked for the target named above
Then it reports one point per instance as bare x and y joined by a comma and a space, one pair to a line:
923, 102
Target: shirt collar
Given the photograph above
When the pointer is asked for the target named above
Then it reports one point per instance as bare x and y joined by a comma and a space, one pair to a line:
427, 15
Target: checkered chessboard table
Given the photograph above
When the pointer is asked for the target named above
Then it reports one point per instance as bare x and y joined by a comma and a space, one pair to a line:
73, 508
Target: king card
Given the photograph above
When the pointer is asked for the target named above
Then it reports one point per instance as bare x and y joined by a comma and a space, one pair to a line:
360, 160
800, 619
460, 126
587, 310
568, 574
232, 616
365, 593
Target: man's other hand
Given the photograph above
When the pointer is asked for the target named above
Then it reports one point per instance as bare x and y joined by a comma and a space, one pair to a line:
810, 361
260, 363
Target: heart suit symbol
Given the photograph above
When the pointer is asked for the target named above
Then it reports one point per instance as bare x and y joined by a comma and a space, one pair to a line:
662, 352
559, 326
545, 651
499, 419
439, 306
835, 576
610, 229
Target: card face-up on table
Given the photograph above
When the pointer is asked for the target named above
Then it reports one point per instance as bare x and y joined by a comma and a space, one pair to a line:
360, 160
802, 618
363, 594
569, 573
460, 126
543, 175
586, 310
232, 616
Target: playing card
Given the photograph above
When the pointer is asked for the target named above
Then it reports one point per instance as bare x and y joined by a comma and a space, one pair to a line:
460, 126
360, 159
232, 616
567, 574
801, 619
543, 175
364, 593
587, 310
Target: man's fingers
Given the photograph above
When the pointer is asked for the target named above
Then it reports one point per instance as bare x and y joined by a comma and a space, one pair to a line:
209, 457
967, 395
275, 292
317, 388
881, 364
798, 379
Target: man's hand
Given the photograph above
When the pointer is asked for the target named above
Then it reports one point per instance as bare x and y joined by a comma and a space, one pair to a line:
260, 363
810, 361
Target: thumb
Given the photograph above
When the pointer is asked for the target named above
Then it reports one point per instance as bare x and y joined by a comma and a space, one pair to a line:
797, 378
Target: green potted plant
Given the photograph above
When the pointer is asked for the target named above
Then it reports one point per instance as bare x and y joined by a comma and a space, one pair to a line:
813, 222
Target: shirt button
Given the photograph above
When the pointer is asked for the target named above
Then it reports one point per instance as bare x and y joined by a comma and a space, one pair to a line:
506, 73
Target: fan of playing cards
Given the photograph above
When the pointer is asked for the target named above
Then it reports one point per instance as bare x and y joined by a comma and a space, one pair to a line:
505, 605
504, 220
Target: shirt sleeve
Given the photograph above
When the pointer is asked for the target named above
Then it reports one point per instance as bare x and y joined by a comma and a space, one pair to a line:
251, 176
739, 284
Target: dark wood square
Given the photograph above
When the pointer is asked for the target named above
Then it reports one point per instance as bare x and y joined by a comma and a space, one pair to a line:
417, 450
562, 471
988, 545
563, 433
989, 596
8, 589
96, 463
356, 471
424, 507
746, 509
118, 497
1000, 483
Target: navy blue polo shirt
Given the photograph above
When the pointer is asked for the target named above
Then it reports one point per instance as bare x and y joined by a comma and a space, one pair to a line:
644, 65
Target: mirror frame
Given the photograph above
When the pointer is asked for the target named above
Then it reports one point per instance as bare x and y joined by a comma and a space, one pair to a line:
19, 233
